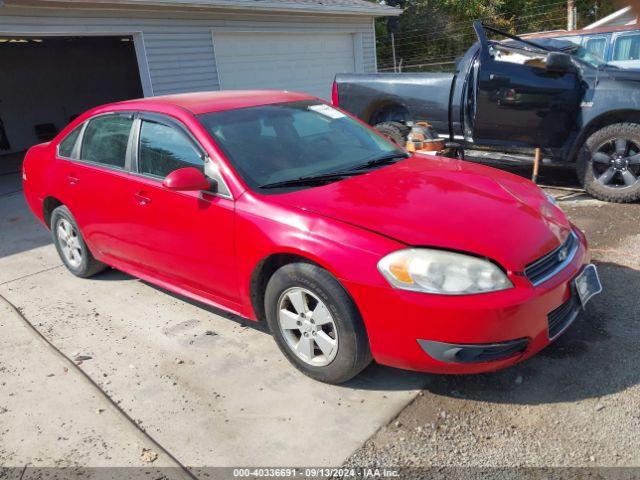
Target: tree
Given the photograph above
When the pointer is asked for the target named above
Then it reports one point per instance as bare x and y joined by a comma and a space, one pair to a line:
430, 34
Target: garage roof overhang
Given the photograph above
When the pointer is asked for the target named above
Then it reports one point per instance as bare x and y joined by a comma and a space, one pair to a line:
331, 7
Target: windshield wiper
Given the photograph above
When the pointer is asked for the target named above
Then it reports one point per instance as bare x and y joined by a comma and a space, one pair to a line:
308, 180
383, 160
324, 177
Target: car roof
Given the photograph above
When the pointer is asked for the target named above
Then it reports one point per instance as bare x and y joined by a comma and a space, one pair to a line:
590, 31
205, 102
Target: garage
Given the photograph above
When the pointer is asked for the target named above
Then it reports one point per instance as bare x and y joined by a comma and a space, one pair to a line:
47, 81
288, 61
62, 57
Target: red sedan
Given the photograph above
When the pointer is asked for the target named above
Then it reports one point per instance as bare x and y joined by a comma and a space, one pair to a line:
277, 206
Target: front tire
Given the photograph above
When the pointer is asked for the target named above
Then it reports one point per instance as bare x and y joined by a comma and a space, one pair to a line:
316, 323
608, 163
71, 246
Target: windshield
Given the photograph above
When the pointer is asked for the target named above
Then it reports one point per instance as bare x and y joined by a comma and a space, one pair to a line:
287, 141
585, 56
576, 52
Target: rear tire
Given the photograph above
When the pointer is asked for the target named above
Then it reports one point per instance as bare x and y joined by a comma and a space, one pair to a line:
71, 247
306, 306
609, 160
395, 131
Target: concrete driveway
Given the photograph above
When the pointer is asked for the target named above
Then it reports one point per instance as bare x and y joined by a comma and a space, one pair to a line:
193, 385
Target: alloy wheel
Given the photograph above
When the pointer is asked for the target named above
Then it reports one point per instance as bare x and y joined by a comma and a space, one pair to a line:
69, 243
307, 326
616, 163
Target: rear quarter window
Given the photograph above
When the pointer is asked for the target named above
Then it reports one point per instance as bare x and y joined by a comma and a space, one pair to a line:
65, 149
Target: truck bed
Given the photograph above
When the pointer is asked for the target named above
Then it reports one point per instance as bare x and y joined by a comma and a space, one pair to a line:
380, 97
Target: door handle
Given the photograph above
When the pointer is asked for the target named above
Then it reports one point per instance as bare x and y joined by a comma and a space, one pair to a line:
142, 199
73, 180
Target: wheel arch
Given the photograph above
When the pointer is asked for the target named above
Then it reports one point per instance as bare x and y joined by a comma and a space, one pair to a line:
49, 204
387, 110
265, 269
601, 121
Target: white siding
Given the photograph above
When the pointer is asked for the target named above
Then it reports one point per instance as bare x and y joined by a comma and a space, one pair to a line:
179, 46
300, 62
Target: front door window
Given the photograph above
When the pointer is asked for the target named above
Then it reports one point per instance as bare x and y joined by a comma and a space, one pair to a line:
164, 149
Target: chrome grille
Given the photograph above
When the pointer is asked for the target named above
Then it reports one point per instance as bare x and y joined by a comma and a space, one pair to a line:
553, 262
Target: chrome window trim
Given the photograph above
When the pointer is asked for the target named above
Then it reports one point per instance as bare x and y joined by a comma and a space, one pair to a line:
561, 266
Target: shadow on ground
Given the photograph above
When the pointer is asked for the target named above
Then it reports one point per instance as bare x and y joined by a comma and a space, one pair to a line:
374, 377
598, 354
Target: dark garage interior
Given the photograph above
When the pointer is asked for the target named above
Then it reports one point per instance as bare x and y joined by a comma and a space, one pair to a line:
48, 81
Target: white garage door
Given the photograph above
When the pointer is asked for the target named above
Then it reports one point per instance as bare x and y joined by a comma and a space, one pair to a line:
287, 61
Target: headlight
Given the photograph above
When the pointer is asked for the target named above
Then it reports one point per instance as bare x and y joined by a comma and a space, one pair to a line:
439, 271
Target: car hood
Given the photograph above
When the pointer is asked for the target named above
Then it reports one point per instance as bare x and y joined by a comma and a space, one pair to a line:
444, 203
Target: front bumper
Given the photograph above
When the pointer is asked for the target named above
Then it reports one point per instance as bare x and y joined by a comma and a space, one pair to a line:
471, 333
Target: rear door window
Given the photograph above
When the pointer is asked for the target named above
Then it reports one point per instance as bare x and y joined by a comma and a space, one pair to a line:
164, 149
596, 46
627, 48
105, 140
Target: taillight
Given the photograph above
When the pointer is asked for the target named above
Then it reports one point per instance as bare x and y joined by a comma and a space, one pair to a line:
335, 99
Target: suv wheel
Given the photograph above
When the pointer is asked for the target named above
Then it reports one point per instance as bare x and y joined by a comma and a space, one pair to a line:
71, 246
609, 163
315, 323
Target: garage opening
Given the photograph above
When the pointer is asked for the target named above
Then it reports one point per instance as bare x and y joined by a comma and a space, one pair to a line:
47, 81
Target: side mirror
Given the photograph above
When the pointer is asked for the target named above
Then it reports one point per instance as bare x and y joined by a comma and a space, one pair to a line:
559, 62
186, 179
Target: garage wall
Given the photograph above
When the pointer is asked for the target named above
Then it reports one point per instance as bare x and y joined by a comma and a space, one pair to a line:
179, 48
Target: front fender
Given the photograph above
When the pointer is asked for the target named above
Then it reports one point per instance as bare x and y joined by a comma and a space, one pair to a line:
349, 253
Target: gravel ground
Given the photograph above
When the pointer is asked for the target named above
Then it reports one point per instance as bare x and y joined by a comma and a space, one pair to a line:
577, 403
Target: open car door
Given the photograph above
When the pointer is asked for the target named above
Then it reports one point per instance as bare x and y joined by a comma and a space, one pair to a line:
525, 95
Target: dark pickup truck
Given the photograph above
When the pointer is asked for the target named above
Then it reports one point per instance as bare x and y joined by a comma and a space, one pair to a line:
517, 94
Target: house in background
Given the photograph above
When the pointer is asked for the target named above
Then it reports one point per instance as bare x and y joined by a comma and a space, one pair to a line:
622, 17
61, 57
